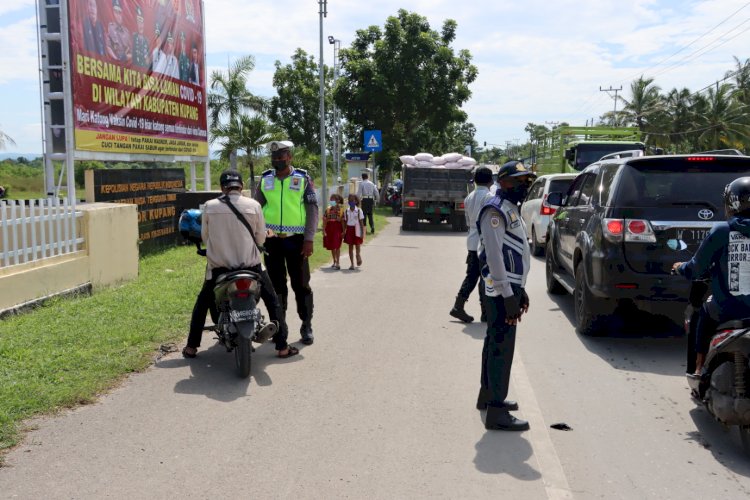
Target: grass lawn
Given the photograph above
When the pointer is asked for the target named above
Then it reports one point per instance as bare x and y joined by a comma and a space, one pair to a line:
70, 350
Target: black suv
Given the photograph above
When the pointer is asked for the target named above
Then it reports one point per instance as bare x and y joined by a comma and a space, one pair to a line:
624, 222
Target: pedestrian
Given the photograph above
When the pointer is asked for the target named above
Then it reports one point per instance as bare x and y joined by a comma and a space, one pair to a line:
506, 260
334, 225
290, 207
355, 229
368, 193
230, 246
472, 204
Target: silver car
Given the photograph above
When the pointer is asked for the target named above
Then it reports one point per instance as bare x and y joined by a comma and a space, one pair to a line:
536, 212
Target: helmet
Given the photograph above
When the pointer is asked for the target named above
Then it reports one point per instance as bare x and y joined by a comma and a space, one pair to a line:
737, 197
190, 224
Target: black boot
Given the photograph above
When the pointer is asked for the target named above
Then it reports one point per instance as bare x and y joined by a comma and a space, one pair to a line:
458, 310
484, 396
307, 333
498, 419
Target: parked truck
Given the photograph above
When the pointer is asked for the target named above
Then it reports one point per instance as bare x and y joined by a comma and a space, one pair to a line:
571, 149
434, 195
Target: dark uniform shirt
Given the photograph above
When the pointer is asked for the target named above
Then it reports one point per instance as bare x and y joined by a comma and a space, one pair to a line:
184, 67
93, 36
119, 40
140, 50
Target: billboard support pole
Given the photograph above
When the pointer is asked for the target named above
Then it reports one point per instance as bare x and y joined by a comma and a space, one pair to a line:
68, 104
193, 179
207, 175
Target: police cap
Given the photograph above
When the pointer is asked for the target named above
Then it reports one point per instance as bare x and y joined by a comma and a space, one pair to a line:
116, 5
514, 168
278, 147
139, 12
230, 178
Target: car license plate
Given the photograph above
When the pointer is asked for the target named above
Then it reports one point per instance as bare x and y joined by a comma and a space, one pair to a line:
692, 236
244, 315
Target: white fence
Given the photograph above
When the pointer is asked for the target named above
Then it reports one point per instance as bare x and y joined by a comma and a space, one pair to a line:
37, 229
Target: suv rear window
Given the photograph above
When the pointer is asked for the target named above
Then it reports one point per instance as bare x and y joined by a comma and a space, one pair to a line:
677, 182
560, 185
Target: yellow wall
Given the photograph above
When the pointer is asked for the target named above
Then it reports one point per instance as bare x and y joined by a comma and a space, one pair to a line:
110, 256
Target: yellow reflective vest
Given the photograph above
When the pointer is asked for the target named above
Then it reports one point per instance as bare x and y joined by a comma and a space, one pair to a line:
284, 209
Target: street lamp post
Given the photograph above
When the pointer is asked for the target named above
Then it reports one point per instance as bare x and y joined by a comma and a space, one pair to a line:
337, 125
324, 194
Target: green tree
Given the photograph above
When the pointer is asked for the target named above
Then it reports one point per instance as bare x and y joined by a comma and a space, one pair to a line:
407, 81
722, 120
296, 108
229, 96
644, 104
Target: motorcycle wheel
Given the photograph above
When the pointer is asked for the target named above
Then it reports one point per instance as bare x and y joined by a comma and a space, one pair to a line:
242, 356
745, 437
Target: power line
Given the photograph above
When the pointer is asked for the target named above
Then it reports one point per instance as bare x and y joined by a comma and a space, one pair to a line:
688, 45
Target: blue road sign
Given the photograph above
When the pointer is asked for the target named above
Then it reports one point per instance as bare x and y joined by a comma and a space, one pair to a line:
373, 140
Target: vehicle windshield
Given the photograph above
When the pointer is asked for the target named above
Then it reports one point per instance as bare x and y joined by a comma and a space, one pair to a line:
586, 154
678, 183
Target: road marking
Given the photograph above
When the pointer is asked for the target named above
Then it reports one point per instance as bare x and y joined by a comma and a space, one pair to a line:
553, 475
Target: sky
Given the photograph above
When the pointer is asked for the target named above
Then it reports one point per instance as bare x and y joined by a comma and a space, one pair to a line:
538, 60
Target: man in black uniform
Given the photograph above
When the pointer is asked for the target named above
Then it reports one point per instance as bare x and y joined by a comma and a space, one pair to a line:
506, 256
290, 208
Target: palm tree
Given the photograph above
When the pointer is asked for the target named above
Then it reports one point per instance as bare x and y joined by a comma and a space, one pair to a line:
229, 96
723, 120
247, 133
644, 104
741, 78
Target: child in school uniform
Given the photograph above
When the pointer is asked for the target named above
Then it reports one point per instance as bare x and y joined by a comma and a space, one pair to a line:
333, 228
355, 229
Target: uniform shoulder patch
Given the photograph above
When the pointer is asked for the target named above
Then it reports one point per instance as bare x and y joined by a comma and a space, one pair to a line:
495, 220
267, 172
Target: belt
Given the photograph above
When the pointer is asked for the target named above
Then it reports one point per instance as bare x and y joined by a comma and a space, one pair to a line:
368, 197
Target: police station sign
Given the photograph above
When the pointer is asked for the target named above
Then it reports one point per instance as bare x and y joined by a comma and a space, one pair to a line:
138, 76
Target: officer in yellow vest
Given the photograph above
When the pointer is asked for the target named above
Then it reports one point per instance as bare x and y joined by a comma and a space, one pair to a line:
290, 208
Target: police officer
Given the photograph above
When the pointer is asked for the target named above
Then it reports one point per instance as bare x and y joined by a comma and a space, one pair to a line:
93, 31
290, 208
184, 60
118, 37
506, 253
473, 203
140, 43
368, 193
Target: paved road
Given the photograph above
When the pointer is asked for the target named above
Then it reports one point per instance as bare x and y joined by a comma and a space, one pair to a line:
382, 407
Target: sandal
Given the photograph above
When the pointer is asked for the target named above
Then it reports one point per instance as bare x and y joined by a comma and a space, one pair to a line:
290, 351
187, 354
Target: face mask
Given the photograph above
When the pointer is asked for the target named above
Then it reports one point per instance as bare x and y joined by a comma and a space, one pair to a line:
332, 203
516, 194
352, 204
278, 165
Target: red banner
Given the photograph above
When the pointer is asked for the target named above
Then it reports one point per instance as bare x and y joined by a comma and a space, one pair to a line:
139, 83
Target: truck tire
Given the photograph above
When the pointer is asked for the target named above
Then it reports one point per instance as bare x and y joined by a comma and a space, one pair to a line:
591, 312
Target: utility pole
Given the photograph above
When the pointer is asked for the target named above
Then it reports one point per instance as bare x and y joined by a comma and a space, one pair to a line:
324, 193
610, 89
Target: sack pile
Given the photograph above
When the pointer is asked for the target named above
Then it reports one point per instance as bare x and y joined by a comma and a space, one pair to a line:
448, 160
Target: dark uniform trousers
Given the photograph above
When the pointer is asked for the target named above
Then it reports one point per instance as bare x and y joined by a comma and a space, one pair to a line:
473, 274
206, 302
285, 256
497, 353
367, 209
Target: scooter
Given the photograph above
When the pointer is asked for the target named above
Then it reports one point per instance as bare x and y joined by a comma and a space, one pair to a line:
240, 321
393, 198
722, 387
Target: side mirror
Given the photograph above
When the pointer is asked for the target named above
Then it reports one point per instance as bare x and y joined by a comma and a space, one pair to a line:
570, 154
555, 199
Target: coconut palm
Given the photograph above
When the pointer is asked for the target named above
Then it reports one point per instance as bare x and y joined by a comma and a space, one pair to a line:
645, 102
249, 133
5, 140
722, 121
741, 77
229, 96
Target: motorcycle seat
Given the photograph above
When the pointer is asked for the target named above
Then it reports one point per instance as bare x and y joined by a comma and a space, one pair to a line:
236, 274
735, 324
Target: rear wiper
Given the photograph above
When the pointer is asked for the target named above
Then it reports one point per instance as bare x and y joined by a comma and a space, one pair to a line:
693, 202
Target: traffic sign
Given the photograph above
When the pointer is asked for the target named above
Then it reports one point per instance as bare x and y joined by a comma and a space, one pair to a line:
373, 140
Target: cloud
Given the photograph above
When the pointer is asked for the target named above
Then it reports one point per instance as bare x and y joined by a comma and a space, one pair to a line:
9, 6
18, 51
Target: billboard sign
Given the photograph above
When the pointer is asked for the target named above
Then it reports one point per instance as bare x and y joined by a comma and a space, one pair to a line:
138, 77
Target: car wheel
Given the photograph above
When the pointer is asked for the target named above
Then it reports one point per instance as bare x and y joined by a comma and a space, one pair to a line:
537, 250
591, 312
553, 286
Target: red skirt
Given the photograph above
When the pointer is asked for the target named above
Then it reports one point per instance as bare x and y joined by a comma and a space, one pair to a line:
351, 236
333, 236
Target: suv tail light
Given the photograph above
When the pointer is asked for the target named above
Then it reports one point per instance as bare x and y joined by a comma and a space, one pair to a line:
633, 230
545, 208
701, 158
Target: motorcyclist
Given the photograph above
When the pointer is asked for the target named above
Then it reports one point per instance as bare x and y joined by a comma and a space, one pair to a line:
725, 256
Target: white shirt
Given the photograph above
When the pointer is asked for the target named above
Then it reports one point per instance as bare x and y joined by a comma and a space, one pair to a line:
472, 205
367, 190
353, 218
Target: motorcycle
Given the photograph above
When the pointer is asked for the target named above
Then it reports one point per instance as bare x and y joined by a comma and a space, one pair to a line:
393, 198
240, 321
722, 386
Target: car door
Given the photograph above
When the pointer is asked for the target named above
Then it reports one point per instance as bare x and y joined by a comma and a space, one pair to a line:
563, 223
580, 213
532, 203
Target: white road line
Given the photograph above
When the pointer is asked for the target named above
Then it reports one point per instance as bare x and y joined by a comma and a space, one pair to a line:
553, 475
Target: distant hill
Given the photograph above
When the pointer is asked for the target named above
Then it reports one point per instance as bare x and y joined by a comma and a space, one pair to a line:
28, 156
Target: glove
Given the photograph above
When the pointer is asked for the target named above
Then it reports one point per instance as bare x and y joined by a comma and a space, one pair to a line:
512, 308
524, 300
